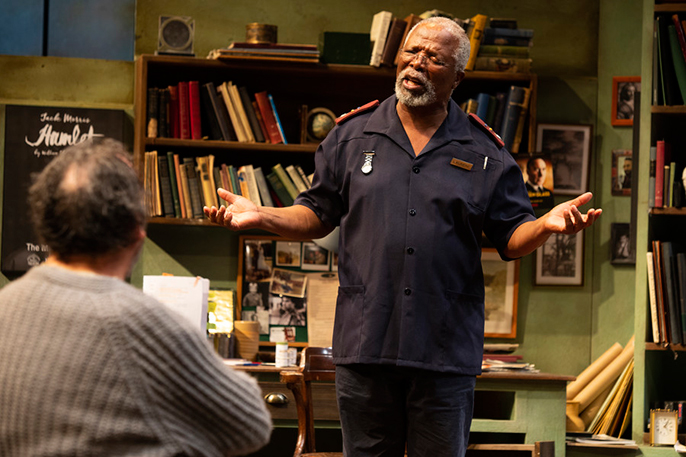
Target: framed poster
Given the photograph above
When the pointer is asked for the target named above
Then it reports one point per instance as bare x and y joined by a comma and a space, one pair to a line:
501, 281
34, 135
624, 90
559, 261
569, 148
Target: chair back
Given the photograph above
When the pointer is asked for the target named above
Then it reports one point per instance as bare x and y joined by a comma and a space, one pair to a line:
316, 364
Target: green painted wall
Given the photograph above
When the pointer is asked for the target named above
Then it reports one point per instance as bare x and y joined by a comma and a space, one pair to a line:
561, 329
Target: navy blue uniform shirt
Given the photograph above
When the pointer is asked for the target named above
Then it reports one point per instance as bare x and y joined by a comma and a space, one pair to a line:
411, 285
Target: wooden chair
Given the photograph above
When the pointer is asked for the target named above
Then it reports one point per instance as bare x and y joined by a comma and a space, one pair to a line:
316, 364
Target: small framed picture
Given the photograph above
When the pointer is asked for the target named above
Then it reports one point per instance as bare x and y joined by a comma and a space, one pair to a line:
624, 90
285, 310
288, 254
288, 282
560, 260
315, 257
620, 240
569, 147
257, 258
621, 172
537, 171
501, 281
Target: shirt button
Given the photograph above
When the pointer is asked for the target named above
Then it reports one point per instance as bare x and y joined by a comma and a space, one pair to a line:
413, 212
415, 169
410, 250
408, 291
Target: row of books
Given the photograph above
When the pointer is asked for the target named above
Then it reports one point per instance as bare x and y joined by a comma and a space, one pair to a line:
267, 51
504, 112
500, 46
665, 184
669, 60
180, 187
667, 293
226, 112
504, 47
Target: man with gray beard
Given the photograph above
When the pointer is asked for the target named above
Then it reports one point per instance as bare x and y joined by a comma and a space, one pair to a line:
412, 183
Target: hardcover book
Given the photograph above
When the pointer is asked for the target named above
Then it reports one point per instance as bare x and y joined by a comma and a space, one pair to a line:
262, 99
477, 25
279, 189
165, 186
263, 187
194, 187
184, 112
378, 33
211, 110
250, 112
395, 34
174, 183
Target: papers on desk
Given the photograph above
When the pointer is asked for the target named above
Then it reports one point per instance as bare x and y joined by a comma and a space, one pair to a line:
589, 438
490, 365
185, 295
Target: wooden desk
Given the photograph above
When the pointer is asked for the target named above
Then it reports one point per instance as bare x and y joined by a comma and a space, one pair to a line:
529, 406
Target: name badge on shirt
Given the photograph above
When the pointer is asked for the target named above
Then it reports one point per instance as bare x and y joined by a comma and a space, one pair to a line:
367, 165
461, 164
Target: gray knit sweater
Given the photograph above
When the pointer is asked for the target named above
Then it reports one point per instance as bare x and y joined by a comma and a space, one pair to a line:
89, 365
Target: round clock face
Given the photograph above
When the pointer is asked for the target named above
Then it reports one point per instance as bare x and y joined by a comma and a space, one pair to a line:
664, 427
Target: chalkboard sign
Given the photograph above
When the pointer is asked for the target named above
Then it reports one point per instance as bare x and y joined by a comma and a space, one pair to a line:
34, 135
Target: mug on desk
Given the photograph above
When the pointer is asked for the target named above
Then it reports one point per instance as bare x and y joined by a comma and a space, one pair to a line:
247, 338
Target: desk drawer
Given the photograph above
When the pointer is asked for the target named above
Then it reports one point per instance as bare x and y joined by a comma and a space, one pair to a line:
325, 407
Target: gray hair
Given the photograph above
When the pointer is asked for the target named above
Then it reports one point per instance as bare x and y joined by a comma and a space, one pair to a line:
88, 201
461, 52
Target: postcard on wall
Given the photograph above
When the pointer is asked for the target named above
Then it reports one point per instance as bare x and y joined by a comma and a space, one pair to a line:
287, 282
288, 254
315, 257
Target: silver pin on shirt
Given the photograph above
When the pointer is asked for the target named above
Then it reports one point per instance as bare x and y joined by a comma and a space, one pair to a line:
367, 165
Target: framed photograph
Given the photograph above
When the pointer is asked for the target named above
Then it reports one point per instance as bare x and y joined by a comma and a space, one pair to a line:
621, 172
315, 257
501, 280
620, 240
569, 148
560, 261
288, 282
285, 310
288, 254
257, 259
537, 171
624, 89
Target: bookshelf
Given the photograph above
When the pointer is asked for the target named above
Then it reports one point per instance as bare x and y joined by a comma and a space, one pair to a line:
338, 88
659, 369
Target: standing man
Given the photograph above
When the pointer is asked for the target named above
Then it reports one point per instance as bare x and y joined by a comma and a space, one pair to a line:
89, 365
412, 183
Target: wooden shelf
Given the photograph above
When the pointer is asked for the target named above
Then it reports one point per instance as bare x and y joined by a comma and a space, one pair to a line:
669, 347
670, 7
308, 148
664, 109
668, 211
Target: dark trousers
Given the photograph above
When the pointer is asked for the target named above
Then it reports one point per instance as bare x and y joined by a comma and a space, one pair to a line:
384, 407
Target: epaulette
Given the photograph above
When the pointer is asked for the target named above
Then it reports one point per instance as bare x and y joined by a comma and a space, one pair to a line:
485, 128
344, 117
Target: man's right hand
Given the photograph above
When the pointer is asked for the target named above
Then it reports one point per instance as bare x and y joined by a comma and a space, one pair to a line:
241, 213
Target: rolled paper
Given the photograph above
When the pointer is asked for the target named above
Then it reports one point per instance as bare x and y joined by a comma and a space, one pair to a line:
605, 377
574, 387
